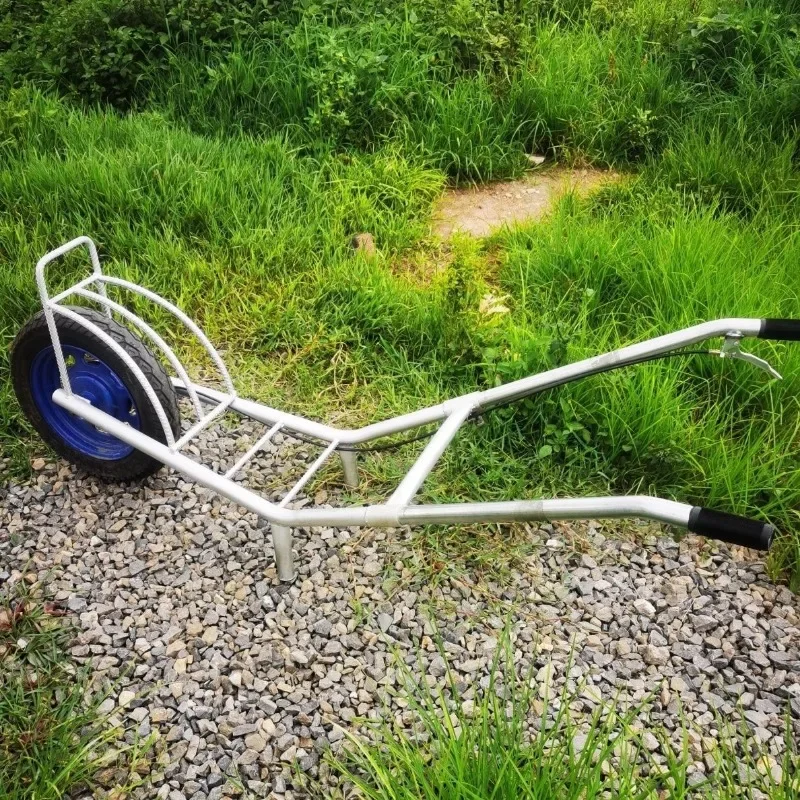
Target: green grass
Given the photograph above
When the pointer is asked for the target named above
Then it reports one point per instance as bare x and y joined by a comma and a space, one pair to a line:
53, 738
614, 273
478, 744
247, 211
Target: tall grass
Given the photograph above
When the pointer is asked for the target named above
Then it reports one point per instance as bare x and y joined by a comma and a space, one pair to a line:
700, 429
354, 86
191, 217
596, 94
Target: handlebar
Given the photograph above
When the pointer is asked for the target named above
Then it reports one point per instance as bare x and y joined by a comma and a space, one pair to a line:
730, 528
785, 330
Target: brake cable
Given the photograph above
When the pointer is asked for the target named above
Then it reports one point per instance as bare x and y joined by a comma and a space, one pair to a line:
481, 412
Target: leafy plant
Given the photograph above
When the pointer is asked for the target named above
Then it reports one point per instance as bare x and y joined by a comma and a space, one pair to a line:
725, 46
109, 50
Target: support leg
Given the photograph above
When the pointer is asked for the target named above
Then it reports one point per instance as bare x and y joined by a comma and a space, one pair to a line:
350, 467
282, 542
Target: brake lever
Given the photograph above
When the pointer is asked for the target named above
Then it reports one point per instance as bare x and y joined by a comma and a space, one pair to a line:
731, 348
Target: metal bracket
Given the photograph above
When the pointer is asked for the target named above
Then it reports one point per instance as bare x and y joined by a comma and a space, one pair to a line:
731, 348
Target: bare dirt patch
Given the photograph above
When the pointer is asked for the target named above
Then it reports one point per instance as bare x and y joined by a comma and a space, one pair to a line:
481, 210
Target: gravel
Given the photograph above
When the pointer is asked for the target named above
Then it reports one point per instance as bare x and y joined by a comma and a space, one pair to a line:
179, 607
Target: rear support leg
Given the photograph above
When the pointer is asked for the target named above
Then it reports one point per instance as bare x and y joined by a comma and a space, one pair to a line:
350, 467
284, 562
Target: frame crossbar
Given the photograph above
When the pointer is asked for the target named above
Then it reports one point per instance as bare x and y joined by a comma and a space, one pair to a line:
267, 437
308, 474
204, 422
416, 476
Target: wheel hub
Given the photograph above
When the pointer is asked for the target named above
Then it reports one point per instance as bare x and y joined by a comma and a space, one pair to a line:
98, 384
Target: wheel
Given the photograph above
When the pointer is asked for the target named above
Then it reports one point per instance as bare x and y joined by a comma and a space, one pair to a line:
98, 374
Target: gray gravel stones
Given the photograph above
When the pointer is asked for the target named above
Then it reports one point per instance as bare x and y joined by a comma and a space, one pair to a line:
178, 603
657, 656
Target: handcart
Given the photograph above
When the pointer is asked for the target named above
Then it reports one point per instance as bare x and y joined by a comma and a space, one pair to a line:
103, 400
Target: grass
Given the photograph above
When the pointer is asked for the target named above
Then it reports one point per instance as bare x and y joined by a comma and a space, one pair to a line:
54, 740
483, 746
594, 279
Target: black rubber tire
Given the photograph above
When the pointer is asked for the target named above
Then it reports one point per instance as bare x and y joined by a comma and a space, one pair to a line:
34, 337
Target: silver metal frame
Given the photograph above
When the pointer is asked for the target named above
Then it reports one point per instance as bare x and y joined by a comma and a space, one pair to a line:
399, 509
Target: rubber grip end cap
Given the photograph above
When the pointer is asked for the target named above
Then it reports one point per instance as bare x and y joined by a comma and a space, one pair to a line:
731, 528
783, 330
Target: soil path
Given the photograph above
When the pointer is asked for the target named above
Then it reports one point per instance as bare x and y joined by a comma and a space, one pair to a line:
480, 210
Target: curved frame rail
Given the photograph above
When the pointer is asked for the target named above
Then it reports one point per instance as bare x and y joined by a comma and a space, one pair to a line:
52, 306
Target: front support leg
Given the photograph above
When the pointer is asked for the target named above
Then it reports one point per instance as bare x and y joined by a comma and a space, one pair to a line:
284, 561
350, 467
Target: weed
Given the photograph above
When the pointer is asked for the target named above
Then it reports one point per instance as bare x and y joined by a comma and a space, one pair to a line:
53, 740
518, 739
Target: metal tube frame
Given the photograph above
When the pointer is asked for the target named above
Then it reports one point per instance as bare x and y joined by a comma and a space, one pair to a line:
399, 509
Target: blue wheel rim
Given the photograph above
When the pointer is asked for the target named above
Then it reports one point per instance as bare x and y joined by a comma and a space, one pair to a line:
93, 380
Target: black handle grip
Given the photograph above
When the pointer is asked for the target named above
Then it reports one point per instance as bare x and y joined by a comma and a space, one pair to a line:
785, 330
730, 528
